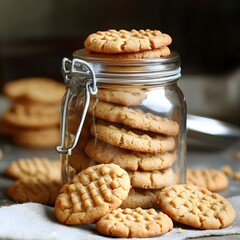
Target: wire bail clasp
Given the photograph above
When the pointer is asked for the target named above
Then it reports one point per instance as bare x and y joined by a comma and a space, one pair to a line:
83, 71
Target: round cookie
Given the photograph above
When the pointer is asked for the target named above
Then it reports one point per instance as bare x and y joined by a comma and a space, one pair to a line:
126, 97
143, 198
123, 138
91, 194
42, 138
8, 129
134, 223
153, 53
152, 180
34, 167
134, 118
212, 179
36, 89
39, 189
21, 116
124, 41
196, 206
102, 152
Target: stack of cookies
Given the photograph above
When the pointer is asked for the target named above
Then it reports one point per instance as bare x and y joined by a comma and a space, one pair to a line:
33, 117
140, 142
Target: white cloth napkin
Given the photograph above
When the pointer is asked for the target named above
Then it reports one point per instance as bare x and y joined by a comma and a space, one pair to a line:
36, 221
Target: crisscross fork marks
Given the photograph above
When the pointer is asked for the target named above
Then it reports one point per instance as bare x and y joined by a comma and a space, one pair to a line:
134, 223
92, 193
196, 207
123, 41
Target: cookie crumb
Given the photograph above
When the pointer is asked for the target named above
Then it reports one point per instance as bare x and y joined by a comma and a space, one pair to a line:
227, 170
180, 230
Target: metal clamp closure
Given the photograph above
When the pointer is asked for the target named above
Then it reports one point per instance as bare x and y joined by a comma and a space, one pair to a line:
83, 70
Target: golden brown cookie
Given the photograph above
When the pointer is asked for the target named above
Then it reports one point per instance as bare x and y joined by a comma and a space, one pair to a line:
130, 140
143, 198
40, 138
153, 179
147, 54
196, 206
124, 41
8, 129
126, 97
36, 89
134, 223
212, 179
22, 116
102, 152
35, 189
91, 194
134, 118
34, 167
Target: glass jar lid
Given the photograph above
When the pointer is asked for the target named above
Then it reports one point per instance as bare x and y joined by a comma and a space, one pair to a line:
110, 69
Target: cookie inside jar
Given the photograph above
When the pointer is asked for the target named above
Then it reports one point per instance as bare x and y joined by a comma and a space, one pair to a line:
126, 108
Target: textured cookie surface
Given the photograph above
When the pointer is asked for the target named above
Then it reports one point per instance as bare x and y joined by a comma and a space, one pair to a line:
212, 179
36, 89
143, 198
196, 206
147, 54
105, 153
91, 194
34, 167
123, 41
35, 189
153, 179
126, 97
132, 223
135, 118
123, 138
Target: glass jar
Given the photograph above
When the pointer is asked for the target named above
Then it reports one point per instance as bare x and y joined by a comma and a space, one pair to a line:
130, 112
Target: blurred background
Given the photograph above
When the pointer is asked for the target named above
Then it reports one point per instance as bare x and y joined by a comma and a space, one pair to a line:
36, 35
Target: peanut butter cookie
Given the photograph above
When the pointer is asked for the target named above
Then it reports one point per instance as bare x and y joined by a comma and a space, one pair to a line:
143, 198
153, 179
34, 167
91, 194
126, 139
36, 89
102, 152
134, 118
126, 97
21, 116
134, 223
147, 54
123, 41
212, 179
196, 206
35, 189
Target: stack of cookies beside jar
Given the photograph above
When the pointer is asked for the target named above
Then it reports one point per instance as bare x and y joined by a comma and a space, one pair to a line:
33, 117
